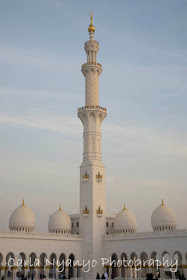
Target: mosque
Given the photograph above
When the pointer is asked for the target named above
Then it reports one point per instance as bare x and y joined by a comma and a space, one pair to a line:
92, 241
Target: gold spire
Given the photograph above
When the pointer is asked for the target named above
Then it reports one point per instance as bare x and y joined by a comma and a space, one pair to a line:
124, 207
162, 201
91, 28
60, 208
91, 18
23, 203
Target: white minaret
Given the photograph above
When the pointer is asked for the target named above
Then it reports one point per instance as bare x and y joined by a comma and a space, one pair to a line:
92, 170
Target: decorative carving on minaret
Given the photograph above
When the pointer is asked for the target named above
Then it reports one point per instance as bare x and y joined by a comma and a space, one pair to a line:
99, 212
86, 211
99, 177
85, 177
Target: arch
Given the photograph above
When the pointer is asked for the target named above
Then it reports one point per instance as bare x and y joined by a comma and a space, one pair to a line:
144, 259
154, 255
154, 269
166, 259
100, 118
92, 71
52, 270
92, 117
163, 253
177, 257
21, 267
10, 257
84, 117
32, 258
62, 264
77, 224
114, 265
123, 268
42, 272
71, 266
133, 258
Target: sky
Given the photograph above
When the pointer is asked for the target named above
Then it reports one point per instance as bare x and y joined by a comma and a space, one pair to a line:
143, 86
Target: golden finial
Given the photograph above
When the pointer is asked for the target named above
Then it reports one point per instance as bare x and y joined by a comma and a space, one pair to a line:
60, 208
162, 201
91, 18
124, 207
23, 203
91, 28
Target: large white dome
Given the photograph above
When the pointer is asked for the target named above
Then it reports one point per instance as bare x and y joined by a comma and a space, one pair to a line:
59, 222
22, 219
125, 221
163, 218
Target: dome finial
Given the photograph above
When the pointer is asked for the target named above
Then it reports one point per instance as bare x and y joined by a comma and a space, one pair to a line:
60, 208
91, 28
124, 207
162, 201
91, 18
23, 203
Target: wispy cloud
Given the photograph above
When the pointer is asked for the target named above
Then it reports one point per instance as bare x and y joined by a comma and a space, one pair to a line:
129, 138
39, 59
64, 125
30, 92
147, 139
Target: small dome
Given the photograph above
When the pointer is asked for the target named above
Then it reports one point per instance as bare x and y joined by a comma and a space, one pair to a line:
59, 222
22, 219
91, 28
163, 218
125, 221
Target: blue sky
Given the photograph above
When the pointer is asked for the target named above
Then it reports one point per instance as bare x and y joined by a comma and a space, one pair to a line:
143, 86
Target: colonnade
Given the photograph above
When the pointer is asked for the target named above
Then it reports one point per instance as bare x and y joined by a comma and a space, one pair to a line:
38, 268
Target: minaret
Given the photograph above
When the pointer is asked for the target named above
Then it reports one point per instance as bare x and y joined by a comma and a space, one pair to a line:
92, 170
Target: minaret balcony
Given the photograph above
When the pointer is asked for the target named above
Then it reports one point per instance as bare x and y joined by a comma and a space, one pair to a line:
99, 177
85, 177
91, 107
91, 64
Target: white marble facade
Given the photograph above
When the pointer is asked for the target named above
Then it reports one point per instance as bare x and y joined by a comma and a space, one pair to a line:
92, 235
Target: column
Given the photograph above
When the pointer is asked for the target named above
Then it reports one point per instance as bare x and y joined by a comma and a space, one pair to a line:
26, 271
47, 271
14, 272
119, 272
36, 272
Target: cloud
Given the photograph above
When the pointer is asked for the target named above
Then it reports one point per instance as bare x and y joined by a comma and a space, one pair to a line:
129, 138
39, 59
64, 125
145, 139
29, 92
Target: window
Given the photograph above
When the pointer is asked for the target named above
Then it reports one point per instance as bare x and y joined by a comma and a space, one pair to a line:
107, 224
77, 224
